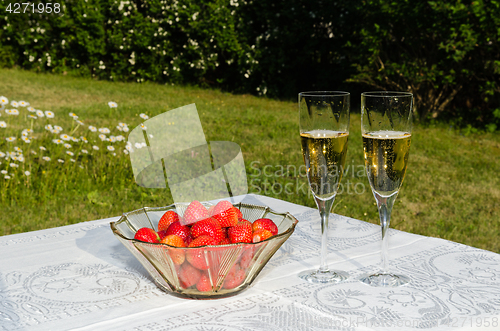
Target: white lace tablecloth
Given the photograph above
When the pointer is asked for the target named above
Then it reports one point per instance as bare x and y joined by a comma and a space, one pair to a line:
80, 277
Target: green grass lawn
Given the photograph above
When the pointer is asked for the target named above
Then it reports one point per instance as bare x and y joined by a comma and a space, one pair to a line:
451, 191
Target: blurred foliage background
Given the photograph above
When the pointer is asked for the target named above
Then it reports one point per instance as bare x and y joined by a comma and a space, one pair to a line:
446, 52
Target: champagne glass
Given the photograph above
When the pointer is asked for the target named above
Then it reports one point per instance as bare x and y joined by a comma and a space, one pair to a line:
386, 128
324, 131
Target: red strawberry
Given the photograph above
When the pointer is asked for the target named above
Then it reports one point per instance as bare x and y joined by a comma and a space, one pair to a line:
221, 206
194, 212
224, 212
246, 257
203, 284
178, 229
168, 218
173, 240
188, 275
238, 212
148, 235
260, 235
224, 232
162, 234
177, 255
227, 217
209, 227
188, 239
265, 224
197, 257
235, 277
241, 232
225, 241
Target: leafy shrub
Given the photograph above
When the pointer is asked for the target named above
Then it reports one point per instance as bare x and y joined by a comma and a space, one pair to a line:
446, 53
161, 41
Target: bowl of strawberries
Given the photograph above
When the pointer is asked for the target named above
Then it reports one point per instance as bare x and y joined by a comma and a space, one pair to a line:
200, 250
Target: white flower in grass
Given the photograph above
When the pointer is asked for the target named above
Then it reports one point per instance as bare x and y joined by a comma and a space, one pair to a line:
10, 139
58, 128
125, 129
6, 177
33, 152
96, 148
92, 128
31, 109
104, 130
143, 126
112, 104
26, 132
23, 104
14, 104
14, 165
4, 100
60, 160
49, 114
73, 115
43, 148
48, 127
72, 160
26, 140
79, 122
3, 124
65, 137
40, 113
112, 139
125, 152
57, 141
20, 158
67, 145
14, 112
122, 124
102, 137
120, 138
27, 173
138, 145
3, 172
144, 116
111, 148
84, 139
32, 116
46, 158
70, 153
17, 149
2, 154
73, 139
84, 151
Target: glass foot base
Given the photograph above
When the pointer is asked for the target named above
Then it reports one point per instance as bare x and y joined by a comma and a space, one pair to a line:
385, 280
322, 277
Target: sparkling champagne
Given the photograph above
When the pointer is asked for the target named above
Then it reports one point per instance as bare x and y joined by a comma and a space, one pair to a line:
386, 158
324, 154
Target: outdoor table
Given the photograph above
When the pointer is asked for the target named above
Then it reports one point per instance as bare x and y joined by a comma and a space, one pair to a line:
80, 277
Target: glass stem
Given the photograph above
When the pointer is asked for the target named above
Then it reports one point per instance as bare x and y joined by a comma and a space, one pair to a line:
324, 207
385, 205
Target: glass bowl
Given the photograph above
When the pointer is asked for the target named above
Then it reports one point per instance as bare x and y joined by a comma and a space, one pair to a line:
221, 271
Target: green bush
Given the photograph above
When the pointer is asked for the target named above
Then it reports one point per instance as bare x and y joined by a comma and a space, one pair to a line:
160, 41
446, 52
